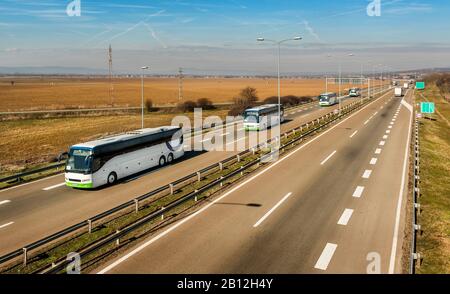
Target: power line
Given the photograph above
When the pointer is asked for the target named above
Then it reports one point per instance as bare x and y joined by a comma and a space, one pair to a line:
180, 84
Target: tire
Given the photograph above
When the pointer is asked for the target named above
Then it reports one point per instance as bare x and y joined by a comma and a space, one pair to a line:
112, 178
162, 161
170, 158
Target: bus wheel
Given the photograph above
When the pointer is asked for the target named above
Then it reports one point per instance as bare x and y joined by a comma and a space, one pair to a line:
170, 158
162, 161
112, 178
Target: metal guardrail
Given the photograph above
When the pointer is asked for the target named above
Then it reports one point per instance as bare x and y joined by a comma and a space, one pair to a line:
19, 176
415, 256
170, 188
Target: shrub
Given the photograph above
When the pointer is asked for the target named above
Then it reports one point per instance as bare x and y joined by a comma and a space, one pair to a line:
237, 110
187, 106
149, 105
205, 104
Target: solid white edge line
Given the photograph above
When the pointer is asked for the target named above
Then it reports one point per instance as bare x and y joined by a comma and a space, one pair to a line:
54, 186
4, 202
358, 192
400, 198
272, 210
5, 225
345, 217
325, 258
329, 156
366, 122
181, 222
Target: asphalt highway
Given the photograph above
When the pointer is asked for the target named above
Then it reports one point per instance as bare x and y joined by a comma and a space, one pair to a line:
335, 204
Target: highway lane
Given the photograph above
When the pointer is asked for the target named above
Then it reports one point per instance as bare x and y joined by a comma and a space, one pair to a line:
40, 208
313, 217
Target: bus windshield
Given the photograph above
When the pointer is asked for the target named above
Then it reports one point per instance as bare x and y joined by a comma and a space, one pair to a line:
324, 98
251, 117
79, 160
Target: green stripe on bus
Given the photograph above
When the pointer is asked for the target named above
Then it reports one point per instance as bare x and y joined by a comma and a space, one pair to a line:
83, 186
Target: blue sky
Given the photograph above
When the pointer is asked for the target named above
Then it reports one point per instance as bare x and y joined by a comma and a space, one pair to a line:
220, 36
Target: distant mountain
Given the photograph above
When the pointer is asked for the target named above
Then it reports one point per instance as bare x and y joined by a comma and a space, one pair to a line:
50, 70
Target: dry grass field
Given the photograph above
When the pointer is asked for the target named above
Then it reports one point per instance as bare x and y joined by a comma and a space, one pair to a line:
64, 93
30, 142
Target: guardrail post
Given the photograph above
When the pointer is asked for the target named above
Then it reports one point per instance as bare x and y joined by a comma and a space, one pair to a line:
238, 157
242, 172
89, 226
171, 188
162, 215
118, 239
136, 205
253, 151
221, 182
220, 165
199, 178
25, 256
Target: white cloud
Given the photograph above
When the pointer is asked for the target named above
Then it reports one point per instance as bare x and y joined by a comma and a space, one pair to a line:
311, 31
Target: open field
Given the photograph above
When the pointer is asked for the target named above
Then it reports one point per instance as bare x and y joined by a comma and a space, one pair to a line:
64, 93
26, 143
434, 243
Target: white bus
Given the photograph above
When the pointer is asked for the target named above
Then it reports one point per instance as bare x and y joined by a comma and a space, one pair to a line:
262, 117
104, 161
328, 99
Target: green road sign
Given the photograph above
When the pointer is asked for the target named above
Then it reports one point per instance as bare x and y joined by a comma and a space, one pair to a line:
420, 85
427, 107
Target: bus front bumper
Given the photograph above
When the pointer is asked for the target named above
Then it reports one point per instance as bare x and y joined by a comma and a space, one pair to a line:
80, 185
251, 128
80, 181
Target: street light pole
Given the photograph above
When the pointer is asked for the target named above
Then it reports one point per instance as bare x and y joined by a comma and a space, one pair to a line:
142, 95
278, 43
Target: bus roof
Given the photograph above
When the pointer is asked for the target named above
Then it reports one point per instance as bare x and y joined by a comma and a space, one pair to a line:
262, 107
126, 136
328, 94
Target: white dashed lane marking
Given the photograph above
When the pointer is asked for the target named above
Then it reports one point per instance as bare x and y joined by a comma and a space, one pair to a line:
358, 192
5, 225
325, 258
345, 217
367, 174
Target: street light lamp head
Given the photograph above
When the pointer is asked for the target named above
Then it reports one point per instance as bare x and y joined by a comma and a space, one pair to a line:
297, 38
145, 67
260, 39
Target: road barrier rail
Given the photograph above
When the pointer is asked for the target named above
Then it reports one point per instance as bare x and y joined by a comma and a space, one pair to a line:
36, 253
415, 257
